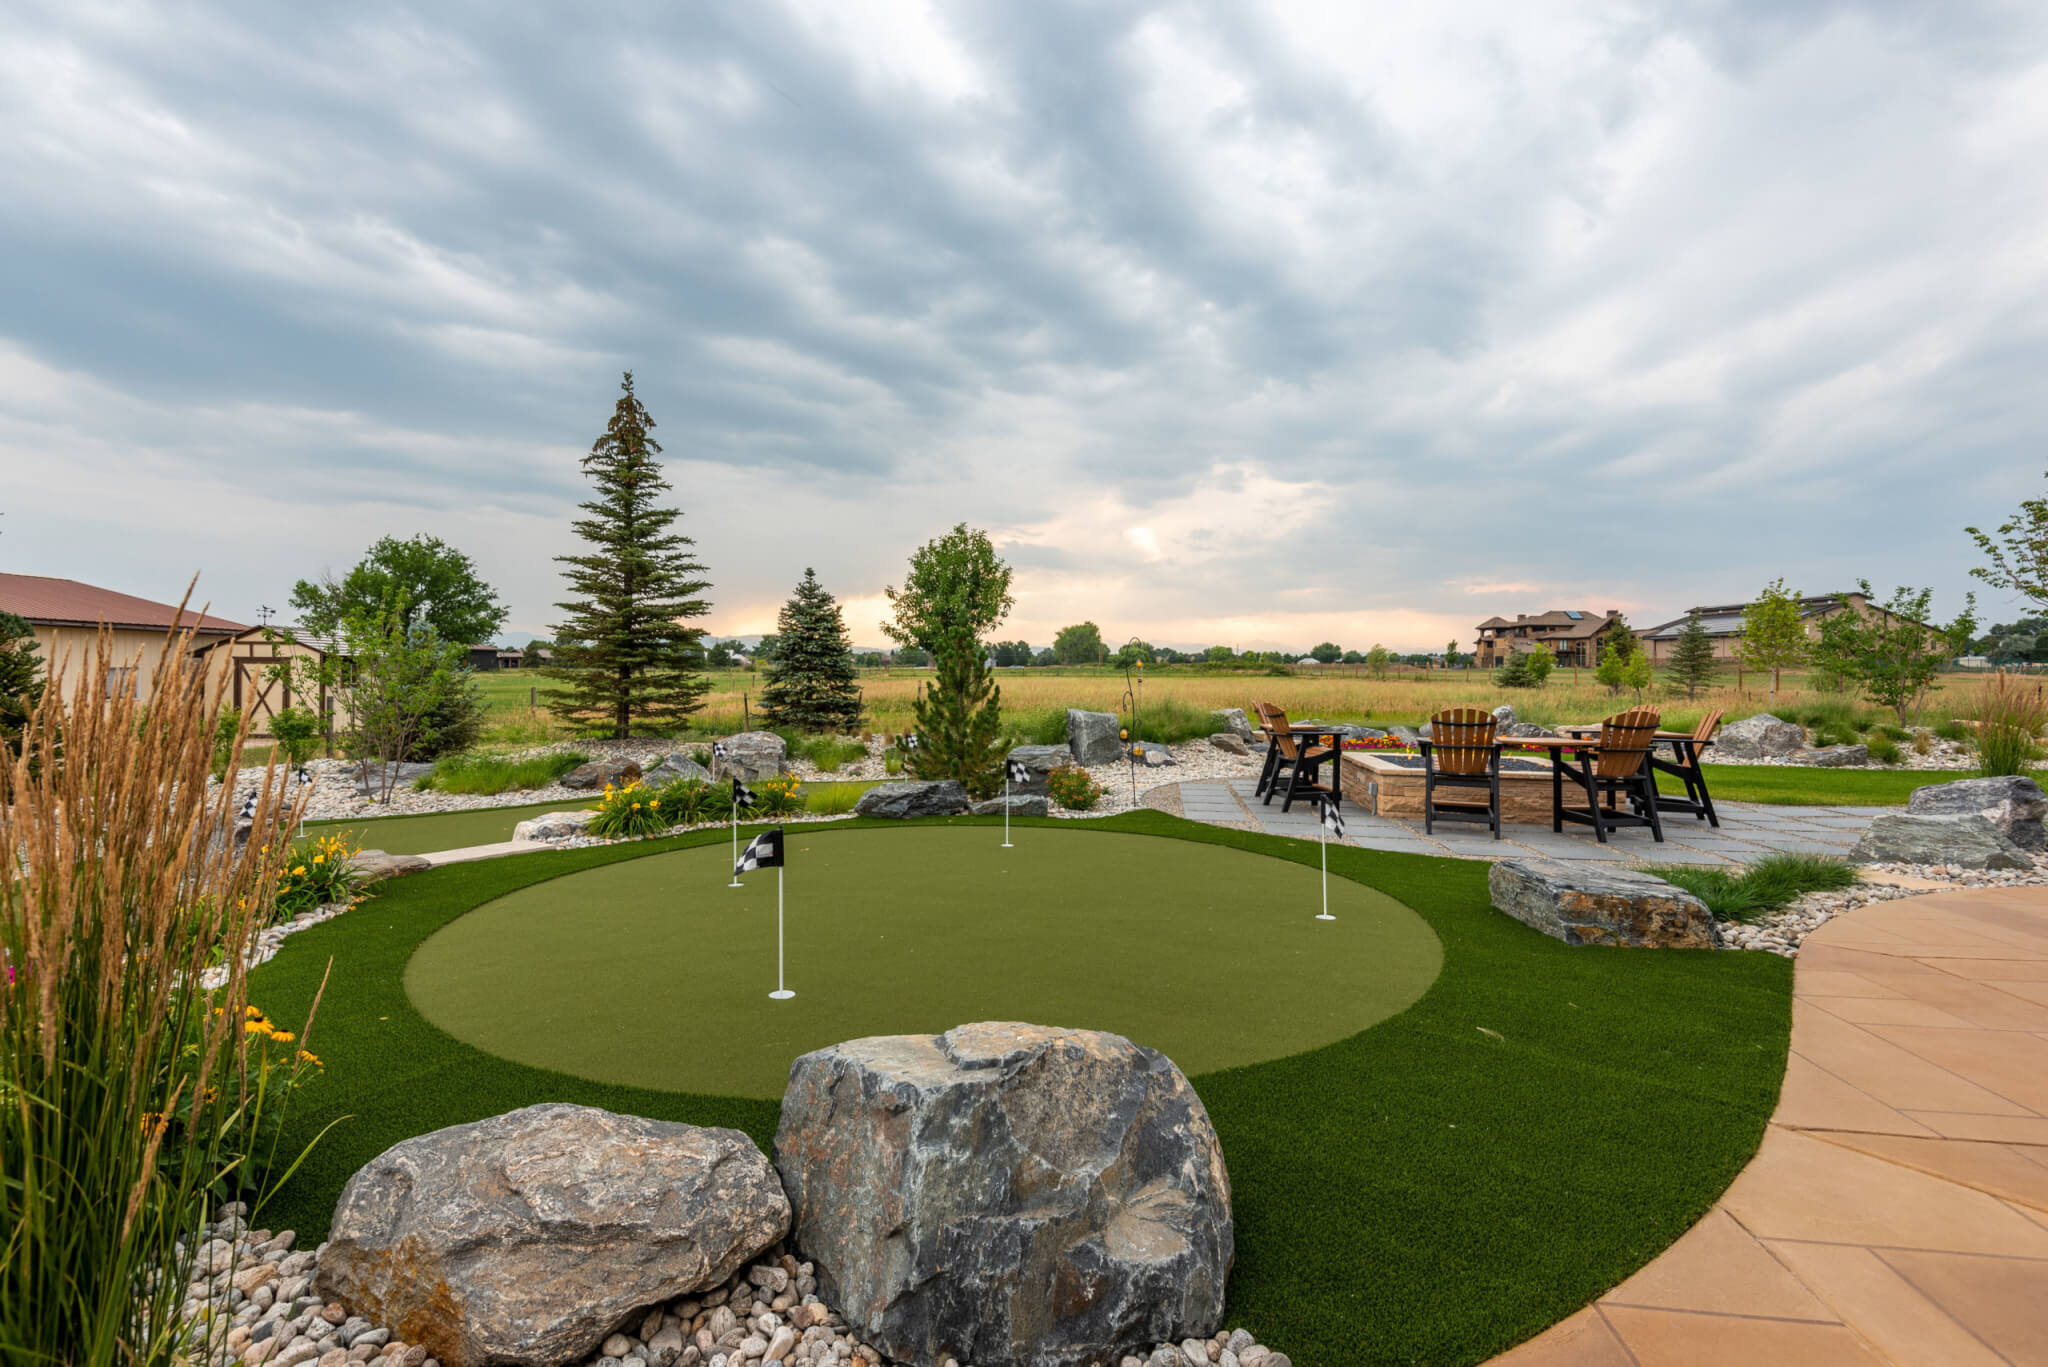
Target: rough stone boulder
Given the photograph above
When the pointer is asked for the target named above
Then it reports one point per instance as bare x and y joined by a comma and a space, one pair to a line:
370, 775
1233, 720
2014, 805
1230, 743
1760, 737
1153, 755
674, 767
1582, 903
525, 1239
1040, 760
552, 826
1092, 736
907, 801
601, 773
1008, 1195
1524, 728
375, 865
1969, 842
751, 755
1833, 756
1018, 804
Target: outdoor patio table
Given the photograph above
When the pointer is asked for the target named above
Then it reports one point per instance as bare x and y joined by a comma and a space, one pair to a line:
1556, 745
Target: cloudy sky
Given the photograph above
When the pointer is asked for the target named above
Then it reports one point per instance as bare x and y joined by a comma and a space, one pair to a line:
1259, 324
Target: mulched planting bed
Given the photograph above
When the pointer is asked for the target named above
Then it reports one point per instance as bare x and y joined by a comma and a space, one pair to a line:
1543, 1120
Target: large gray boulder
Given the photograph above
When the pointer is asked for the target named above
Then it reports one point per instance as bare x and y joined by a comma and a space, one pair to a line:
1833, 756
1040, 760
552, 826
909, 800
1017, 804
1092, 736
1008, 1195
1233, 720
751, 755
1230, 743
601, 773
1583, 903
525, 1239
676, 766
370, 775
374, 866
2014, 805
1969, 842
1760, 737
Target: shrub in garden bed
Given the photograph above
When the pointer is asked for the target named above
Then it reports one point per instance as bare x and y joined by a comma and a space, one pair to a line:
484, 775
632, 810
690, 800
1773, 882
1071, 787
317, 874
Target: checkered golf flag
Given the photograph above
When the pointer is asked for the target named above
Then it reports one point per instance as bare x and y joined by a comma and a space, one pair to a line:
248, 812
301, 777
764, 851
1332, 821
910, 741
1016, 771
718, 749
742, 794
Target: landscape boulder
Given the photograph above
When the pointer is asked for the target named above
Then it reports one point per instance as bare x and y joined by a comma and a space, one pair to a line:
1018, 804
1040, 760
675, 767
1233, 720
1153, 755
910, 800
1230, 743
751, 755
374, 866
369, 775
2014, 805
1092, 736
1760, 737
1833, 756
1969, 842
1584, 903
1524, 728
1008, 1195
525, 1239
601, 773
552, 826
1407, 735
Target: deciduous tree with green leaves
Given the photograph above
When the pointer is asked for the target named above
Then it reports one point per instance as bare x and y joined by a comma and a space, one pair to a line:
433, 586
957, 592
1327, 652
1894, 652
1379, 660
627, 654
390, 685
1623, 664
1773, 633
1080, 644
811, 679
2018, 551
1692, 664
1541, 662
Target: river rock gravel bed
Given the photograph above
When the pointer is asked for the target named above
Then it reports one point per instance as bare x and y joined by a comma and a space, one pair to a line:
249, 1302
1783, 931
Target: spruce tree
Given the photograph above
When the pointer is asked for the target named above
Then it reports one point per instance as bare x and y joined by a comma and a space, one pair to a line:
625, 651
959, 718
956, 592
811, 678
1692, 657
21, 684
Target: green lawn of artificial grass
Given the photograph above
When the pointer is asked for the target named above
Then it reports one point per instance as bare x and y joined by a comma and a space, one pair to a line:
919, 918
441, 830
1798, 786
1437, 1188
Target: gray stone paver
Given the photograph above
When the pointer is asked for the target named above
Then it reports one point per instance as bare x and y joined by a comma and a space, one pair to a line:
1747, 831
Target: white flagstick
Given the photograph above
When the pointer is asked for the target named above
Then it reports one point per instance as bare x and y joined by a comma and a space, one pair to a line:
781, 993
735, 838
1006, 806
1323, 827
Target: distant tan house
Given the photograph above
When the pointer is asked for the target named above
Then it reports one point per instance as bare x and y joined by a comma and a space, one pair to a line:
67, 616
1724, 623
1571, 635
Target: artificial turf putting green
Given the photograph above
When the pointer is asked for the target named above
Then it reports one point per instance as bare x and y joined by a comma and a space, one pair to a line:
624, 974
437, 831
1541, 1123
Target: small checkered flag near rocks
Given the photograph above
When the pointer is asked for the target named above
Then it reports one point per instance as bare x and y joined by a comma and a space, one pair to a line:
248, 812
301, 777
742, 794
1332, 821
909, 742
718, 749
764, 851
1016, 771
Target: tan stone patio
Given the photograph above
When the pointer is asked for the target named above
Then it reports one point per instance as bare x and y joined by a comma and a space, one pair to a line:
1897, 1211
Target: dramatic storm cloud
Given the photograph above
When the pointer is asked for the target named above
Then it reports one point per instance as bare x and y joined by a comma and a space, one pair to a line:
1252, 324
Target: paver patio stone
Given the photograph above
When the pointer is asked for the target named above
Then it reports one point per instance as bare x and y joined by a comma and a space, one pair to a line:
1880, 1304
1679, 1338
1999, 1300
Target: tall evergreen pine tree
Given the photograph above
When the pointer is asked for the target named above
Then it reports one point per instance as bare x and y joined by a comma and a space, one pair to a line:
21, 685
811, 679
625, 652
1692, 657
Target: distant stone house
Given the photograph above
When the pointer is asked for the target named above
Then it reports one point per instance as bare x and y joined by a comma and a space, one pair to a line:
67, 617
1723, 623
1571, 635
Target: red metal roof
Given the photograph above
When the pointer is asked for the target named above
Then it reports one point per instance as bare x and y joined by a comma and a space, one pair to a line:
67, 603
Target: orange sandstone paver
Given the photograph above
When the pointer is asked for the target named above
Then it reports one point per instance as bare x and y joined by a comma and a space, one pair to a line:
1896, 1214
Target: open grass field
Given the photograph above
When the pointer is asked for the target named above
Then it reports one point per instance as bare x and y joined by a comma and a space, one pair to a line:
1434, 1188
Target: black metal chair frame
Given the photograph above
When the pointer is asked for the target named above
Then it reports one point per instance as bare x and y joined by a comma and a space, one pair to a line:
1302, 773
1433, 778
1640, 788
1684, 765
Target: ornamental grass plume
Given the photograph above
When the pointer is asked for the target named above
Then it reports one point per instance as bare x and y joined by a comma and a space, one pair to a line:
129, 1097
2010, 712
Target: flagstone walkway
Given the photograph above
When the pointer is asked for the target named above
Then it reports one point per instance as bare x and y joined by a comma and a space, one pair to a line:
1897, 1211
1748, 831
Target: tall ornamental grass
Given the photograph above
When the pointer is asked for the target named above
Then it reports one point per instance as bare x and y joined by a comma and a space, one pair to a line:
2010, 712
129, 1098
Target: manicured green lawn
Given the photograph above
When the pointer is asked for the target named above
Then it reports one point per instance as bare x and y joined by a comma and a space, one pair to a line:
442, 830
1793, 785
1436, 1188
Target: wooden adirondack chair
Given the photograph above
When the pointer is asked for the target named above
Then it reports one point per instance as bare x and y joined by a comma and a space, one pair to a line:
1616, 765
1684, 765
1461, 752
1297, 762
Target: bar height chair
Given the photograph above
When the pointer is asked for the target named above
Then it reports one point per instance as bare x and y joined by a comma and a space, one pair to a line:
1684, 765
1461, 752
1617, 765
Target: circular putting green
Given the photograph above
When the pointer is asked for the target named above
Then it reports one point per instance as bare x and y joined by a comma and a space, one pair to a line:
652, 973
